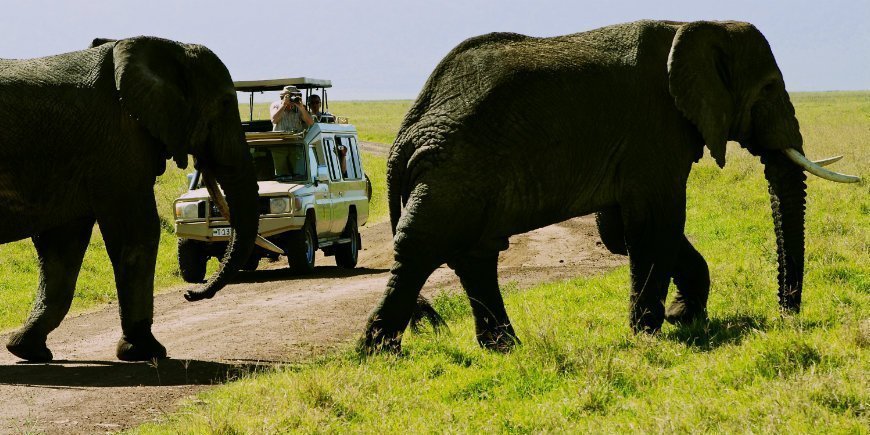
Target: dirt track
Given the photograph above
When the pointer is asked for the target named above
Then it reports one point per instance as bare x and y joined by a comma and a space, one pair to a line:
267, 317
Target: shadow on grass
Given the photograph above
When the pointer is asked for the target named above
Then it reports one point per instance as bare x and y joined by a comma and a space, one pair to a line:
716, 332
165, 372
319, 273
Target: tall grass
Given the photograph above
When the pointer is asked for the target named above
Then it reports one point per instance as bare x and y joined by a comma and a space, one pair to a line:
580, 369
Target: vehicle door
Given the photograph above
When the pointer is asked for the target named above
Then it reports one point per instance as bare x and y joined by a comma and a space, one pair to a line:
354, 185
322, 194
337, 185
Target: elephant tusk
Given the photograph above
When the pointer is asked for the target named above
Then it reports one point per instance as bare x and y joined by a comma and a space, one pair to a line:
222, 206
266, 244
799, 159
828, 161
215, 192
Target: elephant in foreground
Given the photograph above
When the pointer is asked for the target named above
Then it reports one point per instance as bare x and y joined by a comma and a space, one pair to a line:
83, 135
512, 133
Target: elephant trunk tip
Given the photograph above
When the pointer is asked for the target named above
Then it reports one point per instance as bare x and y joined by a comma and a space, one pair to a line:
194, 295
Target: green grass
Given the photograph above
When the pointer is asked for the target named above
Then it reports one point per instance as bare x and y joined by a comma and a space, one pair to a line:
581, 370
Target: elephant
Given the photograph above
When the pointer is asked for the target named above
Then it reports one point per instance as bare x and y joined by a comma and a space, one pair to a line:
511, 133
83, 136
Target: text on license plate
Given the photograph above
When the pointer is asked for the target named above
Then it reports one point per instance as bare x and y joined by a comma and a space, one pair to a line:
220, 232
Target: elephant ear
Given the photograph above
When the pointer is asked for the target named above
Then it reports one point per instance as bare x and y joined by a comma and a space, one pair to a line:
151, 81
699, 79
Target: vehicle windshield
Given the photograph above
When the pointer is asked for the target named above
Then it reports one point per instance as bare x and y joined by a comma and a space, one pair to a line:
285, 162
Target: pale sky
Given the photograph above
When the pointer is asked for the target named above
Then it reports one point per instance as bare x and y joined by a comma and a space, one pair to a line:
386, 49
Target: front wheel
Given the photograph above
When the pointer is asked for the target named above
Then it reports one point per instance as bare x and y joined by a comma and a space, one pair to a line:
347, 254
301, 246
191, 260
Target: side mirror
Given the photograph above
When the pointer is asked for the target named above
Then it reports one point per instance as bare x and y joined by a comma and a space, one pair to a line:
322, 174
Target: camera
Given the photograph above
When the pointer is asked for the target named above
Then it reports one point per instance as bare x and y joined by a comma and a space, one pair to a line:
296, 98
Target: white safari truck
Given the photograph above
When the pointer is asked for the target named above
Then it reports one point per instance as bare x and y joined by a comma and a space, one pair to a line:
314, 193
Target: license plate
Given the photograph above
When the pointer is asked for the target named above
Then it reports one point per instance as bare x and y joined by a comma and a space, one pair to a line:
220, 232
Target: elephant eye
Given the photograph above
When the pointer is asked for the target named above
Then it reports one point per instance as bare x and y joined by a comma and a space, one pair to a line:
769, 88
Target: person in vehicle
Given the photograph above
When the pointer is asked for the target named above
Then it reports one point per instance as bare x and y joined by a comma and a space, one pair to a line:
314, 107
288, 113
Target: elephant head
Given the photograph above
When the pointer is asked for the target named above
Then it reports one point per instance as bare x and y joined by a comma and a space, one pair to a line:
724, 79
184, 97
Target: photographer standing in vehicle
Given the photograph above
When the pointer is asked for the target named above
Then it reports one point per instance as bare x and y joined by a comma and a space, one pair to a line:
288, 113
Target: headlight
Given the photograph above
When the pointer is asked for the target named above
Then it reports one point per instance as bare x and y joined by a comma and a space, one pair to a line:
187, 210
279, 205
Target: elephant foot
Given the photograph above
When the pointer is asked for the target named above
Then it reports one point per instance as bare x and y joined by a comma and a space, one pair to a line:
32, 350
377, 341
647, 322
681, 312
501, 339
141, 348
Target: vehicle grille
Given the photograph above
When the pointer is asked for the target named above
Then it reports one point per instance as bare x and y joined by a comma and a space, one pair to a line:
262, 208
214, 213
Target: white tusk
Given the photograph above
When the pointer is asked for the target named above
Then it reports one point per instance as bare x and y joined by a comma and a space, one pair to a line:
799, 159
216, 194
828, 161
266, 244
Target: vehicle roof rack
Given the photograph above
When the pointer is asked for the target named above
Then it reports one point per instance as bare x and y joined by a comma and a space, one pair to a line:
278, 84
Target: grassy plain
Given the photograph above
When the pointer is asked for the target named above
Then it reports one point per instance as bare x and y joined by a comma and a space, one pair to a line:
581, 370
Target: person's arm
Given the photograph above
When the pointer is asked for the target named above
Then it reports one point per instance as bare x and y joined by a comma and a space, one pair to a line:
304, 113
277, 110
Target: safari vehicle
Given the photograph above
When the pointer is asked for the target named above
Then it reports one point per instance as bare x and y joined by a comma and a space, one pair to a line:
313, 193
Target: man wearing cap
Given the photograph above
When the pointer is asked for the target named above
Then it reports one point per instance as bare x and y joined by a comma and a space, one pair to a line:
288, 113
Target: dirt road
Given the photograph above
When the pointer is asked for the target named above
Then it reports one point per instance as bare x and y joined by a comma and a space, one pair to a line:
265, 318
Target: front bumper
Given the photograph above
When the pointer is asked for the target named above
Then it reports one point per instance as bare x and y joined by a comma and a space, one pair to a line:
202, 230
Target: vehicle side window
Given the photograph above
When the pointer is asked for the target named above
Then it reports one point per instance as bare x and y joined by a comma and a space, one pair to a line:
331, 159
354, 165
318, 154
348, 153
342, 151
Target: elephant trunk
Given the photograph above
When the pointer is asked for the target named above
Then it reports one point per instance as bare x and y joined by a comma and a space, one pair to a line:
787, 186
240, 185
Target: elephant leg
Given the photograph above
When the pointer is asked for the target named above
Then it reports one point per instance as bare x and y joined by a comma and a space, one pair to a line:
610, 229
652, 246
692, 278
479, 276
390, 318
131, 241
60, 250
428, 231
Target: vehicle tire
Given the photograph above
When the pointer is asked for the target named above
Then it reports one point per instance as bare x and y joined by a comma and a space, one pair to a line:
191, 260
301, 247
347, 254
